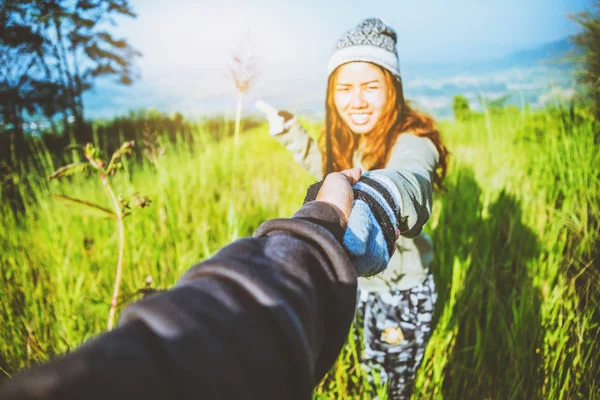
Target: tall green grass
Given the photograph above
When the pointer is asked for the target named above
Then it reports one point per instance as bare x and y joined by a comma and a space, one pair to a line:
516, 239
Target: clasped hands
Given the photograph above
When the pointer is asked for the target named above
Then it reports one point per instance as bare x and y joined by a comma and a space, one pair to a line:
369, 234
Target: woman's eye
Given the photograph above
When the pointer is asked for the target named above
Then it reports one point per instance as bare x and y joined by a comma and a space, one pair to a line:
343, 89
372, 88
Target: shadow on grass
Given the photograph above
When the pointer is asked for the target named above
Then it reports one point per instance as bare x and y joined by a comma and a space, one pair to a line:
496, 314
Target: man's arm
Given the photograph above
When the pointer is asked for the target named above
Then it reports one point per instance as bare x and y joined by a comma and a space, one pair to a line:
265, 317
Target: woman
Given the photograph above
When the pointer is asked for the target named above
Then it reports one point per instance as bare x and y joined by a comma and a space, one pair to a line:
370, 125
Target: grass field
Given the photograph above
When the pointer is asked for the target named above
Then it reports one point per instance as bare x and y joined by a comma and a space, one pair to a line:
516, 238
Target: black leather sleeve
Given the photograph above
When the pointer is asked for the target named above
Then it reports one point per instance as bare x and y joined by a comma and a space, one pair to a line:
264, 318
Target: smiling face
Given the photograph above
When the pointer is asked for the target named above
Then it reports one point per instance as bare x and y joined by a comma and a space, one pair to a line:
360, 95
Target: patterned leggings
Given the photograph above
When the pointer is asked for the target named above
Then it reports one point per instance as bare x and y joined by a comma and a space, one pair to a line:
396, 326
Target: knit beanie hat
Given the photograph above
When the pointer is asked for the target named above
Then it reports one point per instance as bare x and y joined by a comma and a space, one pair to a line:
370, 41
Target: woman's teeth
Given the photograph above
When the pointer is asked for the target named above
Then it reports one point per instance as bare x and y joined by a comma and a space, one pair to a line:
359, 119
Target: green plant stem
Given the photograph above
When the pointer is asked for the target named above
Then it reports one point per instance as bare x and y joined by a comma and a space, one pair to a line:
238, 118
236, 138
106, 211
115, 296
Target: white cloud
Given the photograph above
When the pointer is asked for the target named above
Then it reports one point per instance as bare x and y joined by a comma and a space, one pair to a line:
555, 94
433, 102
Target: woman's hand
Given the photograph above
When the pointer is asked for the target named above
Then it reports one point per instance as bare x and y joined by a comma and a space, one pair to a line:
277, 119
337, 191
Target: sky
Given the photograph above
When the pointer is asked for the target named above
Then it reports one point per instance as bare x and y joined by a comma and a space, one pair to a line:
202, 32
187, 44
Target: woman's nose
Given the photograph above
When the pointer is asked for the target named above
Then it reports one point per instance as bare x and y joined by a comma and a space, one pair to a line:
358, 99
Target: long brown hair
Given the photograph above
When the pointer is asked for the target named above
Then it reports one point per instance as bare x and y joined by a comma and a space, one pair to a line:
340, 142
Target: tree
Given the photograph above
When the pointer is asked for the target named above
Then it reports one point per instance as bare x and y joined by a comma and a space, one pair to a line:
73, 47
588, 42
19, 46
460, 106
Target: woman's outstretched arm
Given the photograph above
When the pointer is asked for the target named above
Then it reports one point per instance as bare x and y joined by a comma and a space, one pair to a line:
288, 131
390, 202
408, 177
304, 148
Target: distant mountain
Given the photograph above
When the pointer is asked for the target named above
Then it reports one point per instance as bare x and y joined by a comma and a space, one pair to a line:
533, 76
555, 52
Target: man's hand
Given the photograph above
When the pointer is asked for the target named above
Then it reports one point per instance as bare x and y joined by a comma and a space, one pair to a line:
337, 191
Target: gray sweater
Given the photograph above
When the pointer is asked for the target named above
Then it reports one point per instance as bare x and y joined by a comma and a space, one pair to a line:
415, 159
